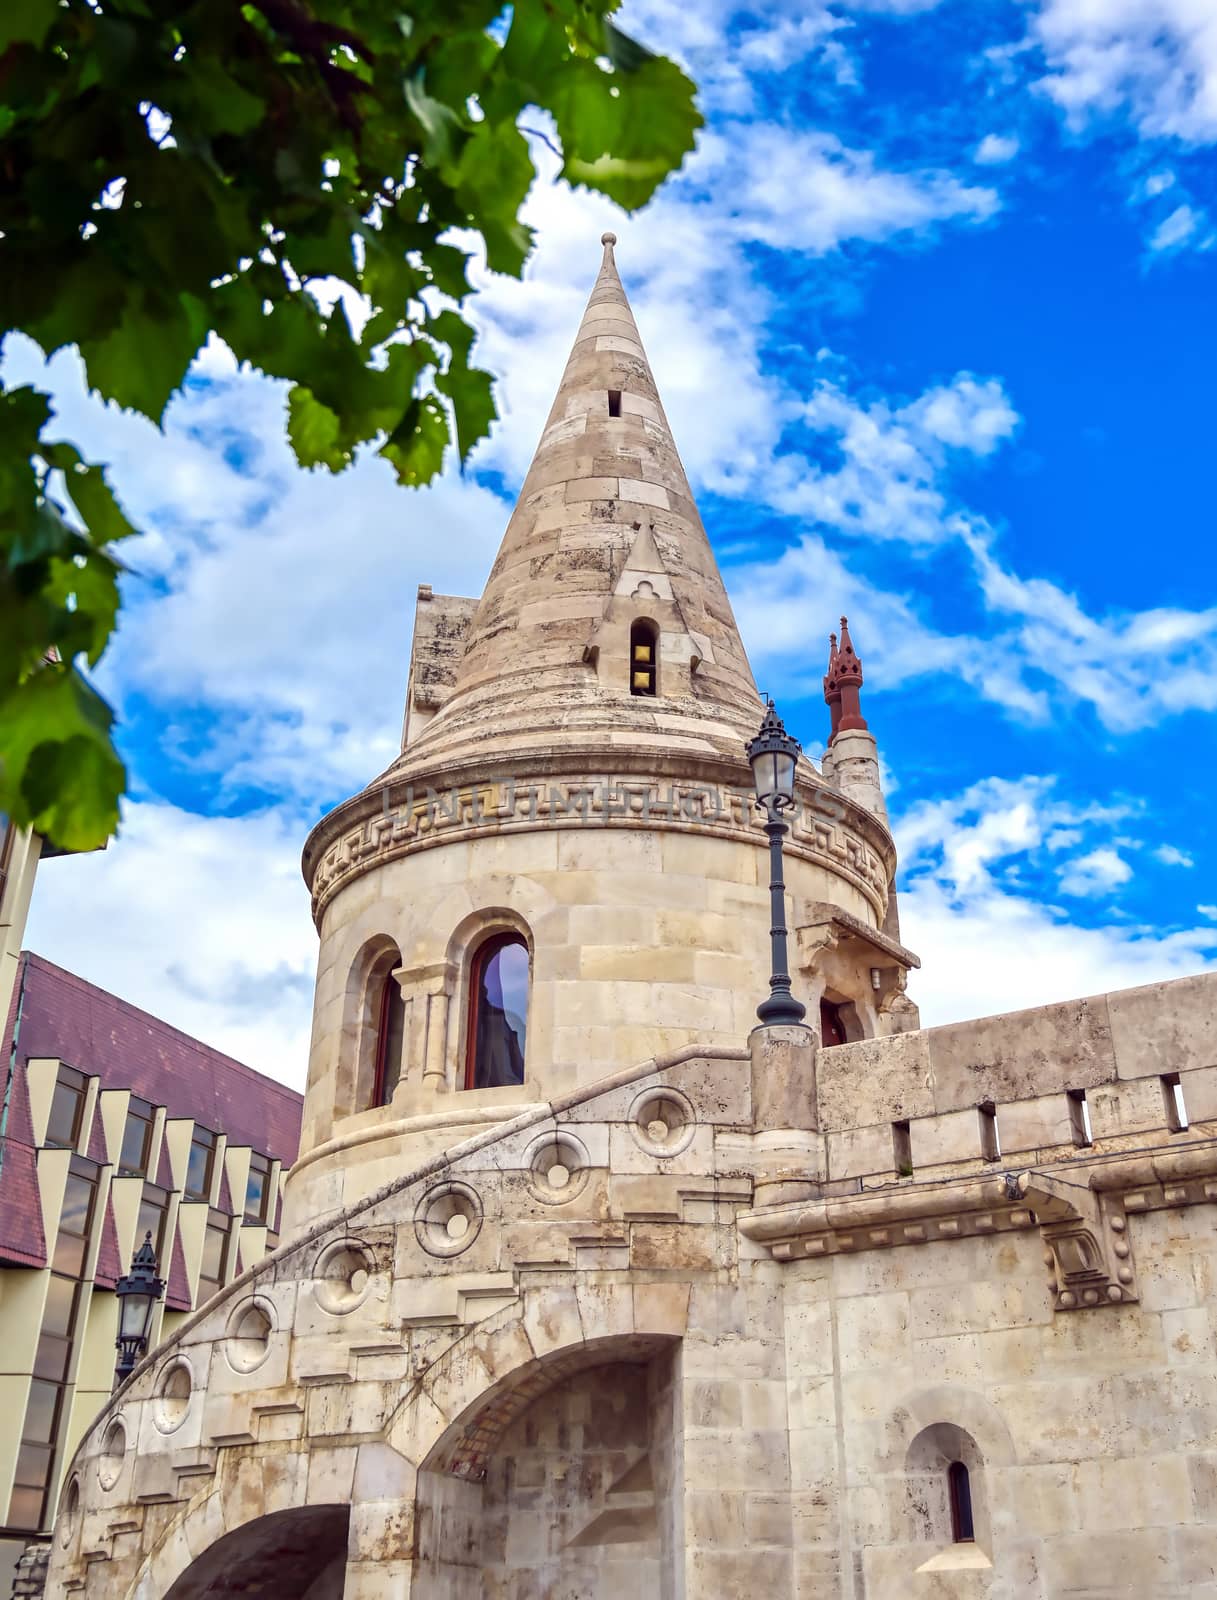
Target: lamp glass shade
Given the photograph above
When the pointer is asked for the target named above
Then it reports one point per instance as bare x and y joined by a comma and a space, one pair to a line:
772, 755
135, 1313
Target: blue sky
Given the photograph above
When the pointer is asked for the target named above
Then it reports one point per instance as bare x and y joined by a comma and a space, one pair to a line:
931, 313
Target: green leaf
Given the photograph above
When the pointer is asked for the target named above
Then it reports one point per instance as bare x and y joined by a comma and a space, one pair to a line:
416, 447
59, 771
25, 22
91, 493
314, 431
148, 354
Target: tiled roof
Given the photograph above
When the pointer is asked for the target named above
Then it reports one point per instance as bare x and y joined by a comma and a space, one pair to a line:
74, 1021
21, 1237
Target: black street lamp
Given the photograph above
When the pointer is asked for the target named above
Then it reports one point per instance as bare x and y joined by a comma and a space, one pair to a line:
137, 1294
773, 754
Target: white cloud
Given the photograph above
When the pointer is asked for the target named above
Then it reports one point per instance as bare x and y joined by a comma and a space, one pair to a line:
1178, 229
970, 867
1152, 61
805, 190
1208, 911
1170, 855
202, 921
1097, 873
995, 149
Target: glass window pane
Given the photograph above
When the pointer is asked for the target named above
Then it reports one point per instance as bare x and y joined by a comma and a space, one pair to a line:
33, 1465
133, 1157
501, 1008
51, 1359
25, 1508
151, 1219
40, 1412
69, 1255
198, 1168
215, 1242
258, 1189
77, 1205
60, 1306
63, 1126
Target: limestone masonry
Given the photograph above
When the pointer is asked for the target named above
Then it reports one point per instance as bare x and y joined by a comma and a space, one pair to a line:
591, 1288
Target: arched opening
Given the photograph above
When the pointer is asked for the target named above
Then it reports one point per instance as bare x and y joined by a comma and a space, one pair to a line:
294, 1555
390, 1012
498, 1013
644, 657
945, 1484
564, 1484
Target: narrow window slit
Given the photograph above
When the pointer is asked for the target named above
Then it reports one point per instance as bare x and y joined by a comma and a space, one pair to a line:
1176, 1106
902, 1149
1079, 1118
614, 402
644, 657
960, 1488
990, 1139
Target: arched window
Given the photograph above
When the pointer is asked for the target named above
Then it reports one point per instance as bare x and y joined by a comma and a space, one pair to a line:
959, 1487
644, 657
832, 1024
498, 1012
390, 1034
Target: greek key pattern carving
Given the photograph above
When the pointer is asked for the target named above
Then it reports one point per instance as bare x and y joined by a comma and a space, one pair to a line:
820, 827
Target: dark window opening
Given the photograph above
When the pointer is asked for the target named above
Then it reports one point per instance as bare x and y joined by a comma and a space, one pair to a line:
257, 1190
67, 1109
614, 398
644, 657
832, 1026
990, 1139
902, 1149
390, 1038
498, 1013
200, 1165
153, 1209
214, 1268
1176, 1107
137, 1140
961, 1503
1079, 1118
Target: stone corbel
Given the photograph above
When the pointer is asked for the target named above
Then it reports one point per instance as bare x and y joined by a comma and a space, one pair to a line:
826, 927
1088, 1252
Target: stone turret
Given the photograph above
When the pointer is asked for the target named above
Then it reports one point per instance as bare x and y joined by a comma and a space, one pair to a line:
572, 777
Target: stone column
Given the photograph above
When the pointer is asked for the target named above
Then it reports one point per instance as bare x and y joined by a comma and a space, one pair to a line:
788, 1146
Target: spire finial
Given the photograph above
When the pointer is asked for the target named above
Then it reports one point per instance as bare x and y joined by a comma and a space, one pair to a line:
609, 239
848, 676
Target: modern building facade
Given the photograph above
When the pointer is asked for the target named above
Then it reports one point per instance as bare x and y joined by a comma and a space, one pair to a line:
115, 1126
588, 1285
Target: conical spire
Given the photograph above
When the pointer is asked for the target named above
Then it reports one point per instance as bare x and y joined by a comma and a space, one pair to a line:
849, 682
832, 688
605, 538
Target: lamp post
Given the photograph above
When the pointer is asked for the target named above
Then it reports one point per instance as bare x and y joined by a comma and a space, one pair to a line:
137, 1294
772, 755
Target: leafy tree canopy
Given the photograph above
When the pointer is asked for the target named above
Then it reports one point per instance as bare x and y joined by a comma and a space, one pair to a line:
173, 167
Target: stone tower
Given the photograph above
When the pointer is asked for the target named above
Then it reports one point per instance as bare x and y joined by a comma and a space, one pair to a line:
540, 793
589, 1286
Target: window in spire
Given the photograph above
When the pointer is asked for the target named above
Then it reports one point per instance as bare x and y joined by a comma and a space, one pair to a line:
614, 402
959, 1489
644, 657
390, 1033
498, 1012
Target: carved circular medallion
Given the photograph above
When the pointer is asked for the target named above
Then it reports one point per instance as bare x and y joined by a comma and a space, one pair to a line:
448, 1219
69, 1512
113, 1449
173, 1395
343, 1276
249, 1329
558, 1167
663, 1121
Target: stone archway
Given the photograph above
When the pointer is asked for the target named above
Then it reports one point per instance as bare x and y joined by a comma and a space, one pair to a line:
565, 1484
289, 1555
